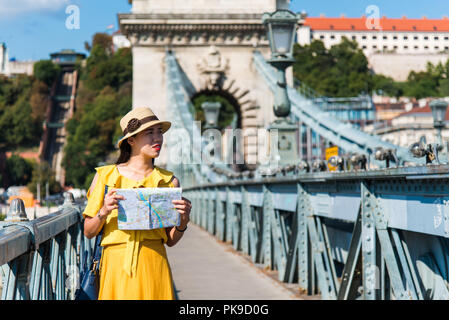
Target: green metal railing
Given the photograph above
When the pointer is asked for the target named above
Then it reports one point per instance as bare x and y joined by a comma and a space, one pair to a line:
43, 259
380, 234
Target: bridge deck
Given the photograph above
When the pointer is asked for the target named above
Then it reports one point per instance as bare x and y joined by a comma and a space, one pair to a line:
205, 269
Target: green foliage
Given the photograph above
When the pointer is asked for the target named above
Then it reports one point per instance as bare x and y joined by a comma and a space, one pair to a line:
227, 111
46, 71
12, 89
18, 171
42, 173
21, 111
341, 71
18, 126
430, 83
104, 97
111, 71
387, 86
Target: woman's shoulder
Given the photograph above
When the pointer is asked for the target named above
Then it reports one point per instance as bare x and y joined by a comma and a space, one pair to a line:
105, 171
164, 171
166, 174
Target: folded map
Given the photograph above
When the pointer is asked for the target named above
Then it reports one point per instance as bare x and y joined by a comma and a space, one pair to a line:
148, 208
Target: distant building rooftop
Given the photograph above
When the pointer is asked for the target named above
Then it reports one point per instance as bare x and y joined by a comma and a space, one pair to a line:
385, 24
66, 57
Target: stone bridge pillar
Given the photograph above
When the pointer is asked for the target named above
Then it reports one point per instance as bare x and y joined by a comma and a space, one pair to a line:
214, 42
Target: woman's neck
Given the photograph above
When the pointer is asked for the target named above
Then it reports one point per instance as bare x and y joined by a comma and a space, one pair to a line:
140, 163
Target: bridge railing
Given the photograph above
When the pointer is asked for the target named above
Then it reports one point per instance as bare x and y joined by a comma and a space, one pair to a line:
43, 259
350, 235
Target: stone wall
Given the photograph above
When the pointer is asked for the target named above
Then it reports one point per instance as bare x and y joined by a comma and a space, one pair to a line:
398, 66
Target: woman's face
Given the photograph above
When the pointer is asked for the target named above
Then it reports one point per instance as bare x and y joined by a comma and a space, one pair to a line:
148, 142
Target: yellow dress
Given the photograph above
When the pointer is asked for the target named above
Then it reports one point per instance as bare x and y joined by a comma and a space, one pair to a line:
134, 263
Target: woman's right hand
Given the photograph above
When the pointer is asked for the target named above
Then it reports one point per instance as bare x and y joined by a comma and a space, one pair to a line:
110, 202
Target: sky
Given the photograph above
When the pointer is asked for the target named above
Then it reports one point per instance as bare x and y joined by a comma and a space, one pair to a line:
32, 29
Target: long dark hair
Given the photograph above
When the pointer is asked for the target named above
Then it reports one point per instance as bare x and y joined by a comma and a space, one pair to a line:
125, 153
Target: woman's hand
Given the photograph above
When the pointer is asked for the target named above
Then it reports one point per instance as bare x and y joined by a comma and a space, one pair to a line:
183, 206
110, 203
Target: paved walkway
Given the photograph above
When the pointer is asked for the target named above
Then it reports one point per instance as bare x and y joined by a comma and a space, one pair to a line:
205, 269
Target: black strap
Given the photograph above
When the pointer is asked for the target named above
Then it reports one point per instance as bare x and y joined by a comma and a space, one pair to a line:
97, 248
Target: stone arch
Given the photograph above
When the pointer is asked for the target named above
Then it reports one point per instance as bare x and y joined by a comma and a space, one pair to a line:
226, 95
247, 110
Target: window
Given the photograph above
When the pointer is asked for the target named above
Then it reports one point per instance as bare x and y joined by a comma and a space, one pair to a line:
385, 37
395, 47
405, 38
426, 38
426, 47
364, 37
436, 38
374, 37
374, 47
363, 47
385, 47
446, 48
415, 37
416, 47
354, 37
395, 38
322, 37
446, 38
332, 37
437, 48
405, 47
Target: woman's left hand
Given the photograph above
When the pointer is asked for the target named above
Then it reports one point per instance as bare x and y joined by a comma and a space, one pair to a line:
183, 206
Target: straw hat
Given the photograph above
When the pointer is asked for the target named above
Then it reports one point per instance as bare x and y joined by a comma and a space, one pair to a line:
139, 119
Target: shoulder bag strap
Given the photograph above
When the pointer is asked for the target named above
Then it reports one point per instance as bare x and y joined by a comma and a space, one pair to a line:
98, 249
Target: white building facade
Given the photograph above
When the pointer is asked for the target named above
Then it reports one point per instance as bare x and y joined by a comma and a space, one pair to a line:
12, 68
394, 47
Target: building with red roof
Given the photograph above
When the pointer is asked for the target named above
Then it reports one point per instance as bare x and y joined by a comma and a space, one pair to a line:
393, 46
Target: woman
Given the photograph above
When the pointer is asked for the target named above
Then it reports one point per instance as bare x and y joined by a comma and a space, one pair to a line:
134, 263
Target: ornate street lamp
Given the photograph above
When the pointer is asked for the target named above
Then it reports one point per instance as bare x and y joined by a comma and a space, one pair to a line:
281, 28
211, 113
439, 109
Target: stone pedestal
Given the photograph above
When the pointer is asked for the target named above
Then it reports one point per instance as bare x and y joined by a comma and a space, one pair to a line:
283, 144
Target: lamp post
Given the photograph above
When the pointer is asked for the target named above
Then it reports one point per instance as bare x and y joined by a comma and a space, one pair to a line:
439, 109
211, 113
281, 27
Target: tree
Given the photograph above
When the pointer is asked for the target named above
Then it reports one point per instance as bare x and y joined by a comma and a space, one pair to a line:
46, 71
103, 40
19, 127
111, 71
18, 171
341, 71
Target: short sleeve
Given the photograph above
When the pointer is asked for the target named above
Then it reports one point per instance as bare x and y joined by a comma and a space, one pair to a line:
95, 198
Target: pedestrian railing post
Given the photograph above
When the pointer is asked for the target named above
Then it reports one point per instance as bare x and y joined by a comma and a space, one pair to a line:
245, 219
229, 216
